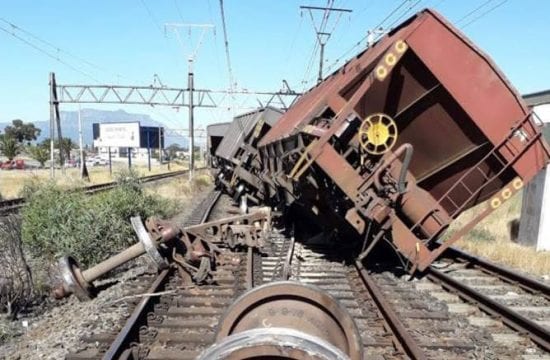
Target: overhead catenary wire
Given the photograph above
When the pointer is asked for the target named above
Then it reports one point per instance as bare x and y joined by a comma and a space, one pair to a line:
55, 47
360, 42
484, 13
48, 54
309, 66
178, 10
152, 16
217, 112
226, 45
322, 35
292, 43
403, 14
465, 16
64, 57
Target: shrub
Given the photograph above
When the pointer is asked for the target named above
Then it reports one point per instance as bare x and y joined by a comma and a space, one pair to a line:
16, 286
57, 222
202, 181
480, 234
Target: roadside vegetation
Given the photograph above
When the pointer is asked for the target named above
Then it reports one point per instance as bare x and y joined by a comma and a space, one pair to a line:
491, 239
59, 221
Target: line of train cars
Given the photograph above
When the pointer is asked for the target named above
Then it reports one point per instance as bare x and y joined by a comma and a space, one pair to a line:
391, 147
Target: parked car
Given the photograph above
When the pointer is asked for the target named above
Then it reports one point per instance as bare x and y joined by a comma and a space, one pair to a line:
13, 164
96, 161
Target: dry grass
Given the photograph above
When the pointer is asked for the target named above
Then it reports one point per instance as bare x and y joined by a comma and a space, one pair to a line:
491, 239
12, 181
180, 189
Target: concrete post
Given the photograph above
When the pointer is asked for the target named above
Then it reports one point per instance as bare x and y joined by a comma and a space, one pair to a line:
534, 225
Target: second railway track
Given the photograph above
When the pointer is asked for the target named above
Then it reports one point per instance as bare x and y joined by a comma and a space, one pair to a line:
13, 205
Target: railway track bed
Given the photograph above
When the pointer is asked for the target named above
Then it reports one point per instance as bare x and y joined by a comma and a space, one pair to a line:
56, 329
396, 318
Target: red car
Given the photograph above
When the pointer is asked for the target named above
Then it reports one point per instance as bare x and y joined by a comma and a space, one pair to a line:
13, 164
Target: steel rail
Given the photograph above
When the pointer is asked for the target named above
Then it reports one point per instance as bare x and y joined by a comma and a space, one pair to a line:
121, 346
250, 269
506, 274
403, 336
511, 318
12, 205
130, 330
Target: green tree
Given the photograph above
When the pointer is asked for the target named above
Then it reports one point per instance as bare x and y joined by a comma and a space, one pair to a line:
172, 150
39, 153
9, 146
66, 146
21, 131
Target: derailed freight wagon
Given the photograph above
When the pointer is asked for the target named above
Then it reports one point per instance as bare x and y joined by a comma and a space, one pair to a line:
237, 153
404, 137
214, 136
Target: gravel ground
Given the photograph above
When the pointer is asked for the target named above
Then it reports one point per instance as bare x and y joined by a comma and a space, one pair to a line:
57, 331
53, 333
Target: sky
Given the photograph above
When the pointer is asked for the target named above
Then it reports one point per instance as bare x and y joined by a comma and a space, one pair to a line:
126, 42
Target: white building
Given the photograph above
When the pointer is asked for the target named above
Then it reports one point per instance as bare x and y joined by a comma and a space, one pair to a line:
534, 228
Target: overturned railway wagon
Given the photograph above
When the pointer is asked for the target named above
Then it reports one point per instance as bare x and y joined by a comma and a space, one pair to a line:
237, 153
403, 138
214, 136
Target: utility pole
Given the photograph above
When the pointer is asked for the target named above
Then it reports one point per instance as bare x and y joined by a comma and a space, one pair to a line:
160, 148
80, 143
190, 80
322, 35
52, 124
55, 120
191, 120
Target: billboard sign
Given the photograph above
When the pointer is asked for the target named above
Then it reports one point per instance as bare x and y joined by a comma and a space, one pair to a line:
150, 136
118, 135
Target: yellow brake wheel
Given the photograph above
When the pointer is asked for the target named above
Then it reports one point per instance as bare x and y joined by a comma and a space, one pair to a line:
377, 134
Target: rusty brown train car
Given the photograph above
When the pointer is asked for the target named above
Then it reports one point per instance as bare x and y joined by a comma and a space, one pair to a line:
403, 138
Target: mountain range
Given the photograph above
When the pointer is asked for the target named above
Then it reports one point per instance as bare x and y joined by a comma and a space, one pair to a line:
69, 124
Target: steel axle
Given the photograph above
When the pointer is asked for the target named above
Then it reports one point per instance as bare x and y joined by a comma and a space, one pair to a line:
80, 283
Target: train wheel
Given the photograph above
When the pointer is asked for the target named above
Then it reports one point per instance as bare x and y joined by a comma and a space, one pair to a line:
268, 318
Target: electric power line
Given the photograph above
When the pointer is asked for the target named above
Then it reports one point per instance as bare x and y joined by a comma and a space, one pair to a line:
178, 10
55, 47
358, 43
47, 53
484, 13
472, 11
152, 16
403, 14
226, 44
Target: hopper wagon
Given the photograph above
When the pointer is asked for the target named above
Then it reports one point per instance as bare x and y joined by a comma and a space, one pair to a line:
214, 136
237, 154
402, 139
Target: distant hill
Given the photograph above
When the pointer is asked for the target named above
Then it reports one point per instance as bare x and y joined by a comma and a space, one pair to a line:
69, 124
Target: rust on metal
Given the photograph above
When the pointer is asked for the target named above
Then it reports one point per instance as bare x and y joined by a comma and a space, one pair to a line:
193, 249
306, 312
409, 345
349, 141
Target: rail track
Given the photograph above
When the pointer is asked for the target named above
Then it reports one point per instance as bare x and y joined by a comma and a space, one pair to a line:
396, 318
123, 344
13, 205
520, 302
